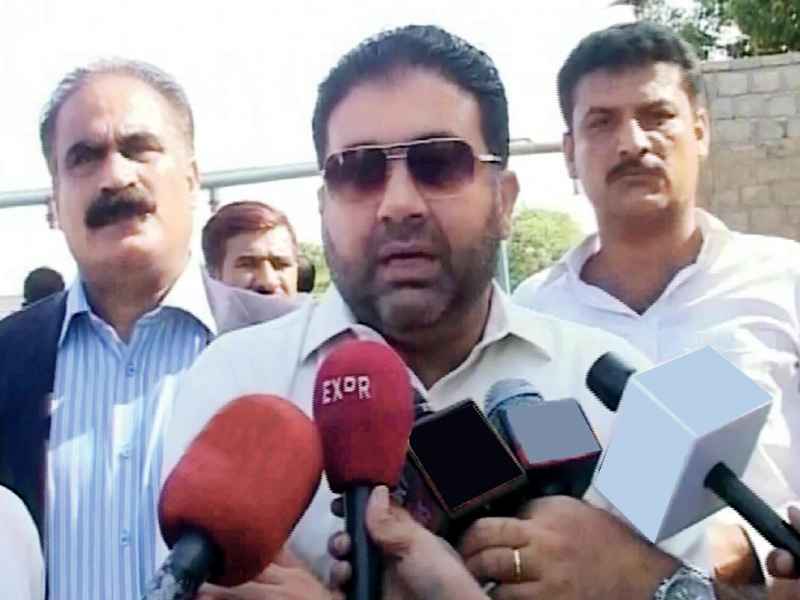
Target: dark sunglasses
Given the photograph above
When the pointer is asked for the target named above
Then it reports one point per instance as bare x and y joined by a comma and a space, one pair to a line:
439, 167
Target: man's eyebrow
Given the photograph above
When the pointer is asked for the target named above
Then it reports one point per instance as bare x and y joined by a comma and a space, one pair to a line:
140, 138
660, 103
423, 136
82, 147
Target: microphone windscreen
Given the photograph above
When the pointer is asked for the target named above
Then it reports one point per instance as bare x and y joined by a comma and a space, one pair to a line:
245, 481
607, 379
363, 406
506, 394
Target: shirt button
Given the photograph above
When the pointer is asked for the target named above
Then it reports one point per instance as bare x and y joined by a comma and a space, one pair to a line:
126, 452
125, 538
130, 370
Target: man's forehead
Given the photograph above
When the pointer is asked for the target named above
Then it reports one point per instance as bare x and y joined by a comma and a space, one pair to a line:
606, 88
276, 240
405, 106
112, 105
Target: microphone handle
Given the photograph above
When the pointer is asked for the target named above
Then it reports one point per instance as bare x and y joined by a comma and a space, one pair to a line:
725, 484
365, 583
187, 567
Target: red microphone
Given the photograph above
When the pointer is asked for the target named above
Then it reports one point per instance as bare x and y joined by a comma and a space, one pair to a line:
234, 498
363, 406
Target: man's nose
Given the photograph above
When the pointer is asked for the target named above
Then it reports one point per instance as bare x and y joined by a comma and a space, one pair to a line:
632, 140
267, 280
119, 172
401, 198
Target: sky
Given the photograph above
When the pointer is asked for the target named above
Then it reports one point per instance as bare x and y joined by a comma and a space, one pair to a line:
250, 70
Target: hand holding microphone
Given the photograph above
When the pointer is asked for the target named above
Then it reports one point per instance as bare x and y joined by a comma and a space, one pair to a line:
423, 564
363, 407
686, 429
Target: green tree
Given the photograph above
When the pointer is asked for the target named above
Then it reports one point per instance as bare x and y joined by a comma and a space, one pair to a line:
538, 239
317, 256
701, 26
767, 26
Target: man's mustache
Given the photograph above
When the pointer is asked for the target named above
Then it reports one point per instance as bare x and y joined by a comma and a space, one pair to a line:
631, 168
109, 208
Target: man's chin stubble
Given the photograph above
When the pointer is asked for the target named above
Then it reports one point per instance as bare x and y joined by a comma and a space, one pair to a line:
408, 311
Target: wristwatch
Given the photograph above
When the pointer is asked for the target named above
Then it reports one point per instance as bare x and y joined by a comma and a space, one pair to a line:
687, 583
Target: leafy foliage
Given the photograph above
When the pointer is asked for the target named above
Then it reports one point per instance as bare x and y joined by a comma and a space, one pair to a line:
766, 26
539, 238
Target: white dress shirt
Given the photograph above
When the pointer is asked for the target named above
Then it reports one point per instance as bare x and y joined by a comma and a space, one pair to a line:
21, 561
740, 297
105, 440
282, 357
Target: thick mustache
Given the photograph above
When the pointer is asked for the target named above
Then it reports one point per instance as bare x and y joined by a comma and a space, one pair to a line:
109, 208
629, 168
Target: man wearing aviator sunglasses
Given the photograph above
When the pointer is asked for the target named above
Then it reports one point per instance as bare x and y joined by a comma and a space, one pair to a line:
411, 134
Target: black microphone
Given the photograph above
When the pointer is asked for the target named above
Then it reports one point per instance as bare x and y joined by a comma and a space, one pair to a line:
458, 470
698, 439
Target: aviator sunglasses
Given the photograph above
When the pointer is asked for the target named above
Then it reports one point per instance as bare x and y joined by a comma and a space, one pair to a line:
439, 167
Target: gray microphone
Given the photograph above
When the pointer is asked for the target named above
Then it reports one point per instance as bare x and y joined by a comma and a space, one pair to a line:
506, 394
553, 441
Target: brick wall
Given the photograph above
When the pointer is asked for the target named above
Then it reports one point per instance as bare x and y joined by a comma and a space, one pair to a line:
752, 181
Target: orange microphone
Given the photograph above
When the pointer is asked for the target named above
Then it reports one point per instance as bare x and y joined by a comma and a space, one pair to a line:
234, 498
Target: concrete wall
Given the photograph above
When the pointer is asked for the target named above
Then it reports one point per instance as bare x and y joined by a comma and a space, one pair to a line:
753, 183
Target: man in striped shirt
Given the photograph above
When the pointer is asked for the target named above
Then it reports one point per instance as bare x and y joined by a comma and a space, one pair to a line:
103, 360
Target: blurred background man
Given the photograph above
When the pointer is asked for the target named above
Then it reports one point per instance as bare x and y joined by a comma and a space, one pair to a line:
251, 245
41, 283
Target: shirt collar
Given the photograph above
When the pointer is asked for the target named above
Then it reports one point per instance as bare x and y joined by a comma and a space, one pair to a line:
332, 317
714, 232
187, 294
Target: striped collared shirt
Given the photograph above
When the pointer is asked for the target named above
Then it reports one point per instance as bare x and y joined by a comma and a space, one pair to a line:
109, 406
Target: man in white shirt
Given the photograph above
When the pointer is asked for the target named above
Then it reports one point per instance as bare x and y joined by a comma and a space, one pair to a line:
22, 572
413, 211
662, 273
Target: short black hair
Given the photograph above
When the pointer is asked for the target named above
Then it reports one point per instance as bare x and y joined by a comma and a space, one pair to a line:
418, 47
621, 47
41, 283
159, 80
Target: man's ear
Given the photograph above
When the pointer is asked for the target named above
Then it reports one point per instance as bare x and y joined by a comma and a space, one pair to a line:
568, 145
702, 131
322, 196
54, 204
508, 192
193, 180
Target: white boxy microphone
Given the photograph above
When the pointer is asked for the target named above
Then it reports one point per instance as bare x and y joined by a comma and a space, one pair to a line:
684, 428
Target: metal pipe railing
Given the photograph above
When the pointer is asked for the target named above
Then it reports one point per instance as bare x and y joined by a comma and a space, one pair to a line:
215, 180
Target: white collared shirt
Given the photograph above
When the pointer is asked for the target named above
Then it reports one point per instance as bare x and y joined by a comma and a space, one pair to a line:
22, 570
282, 357
109, 406
740, 297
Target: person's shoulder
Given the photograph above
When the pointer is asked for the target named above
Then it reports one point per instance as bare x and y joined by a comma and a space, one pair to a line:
749, 254
756, 246
281, 330
576, 341
18, 325
534, 284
